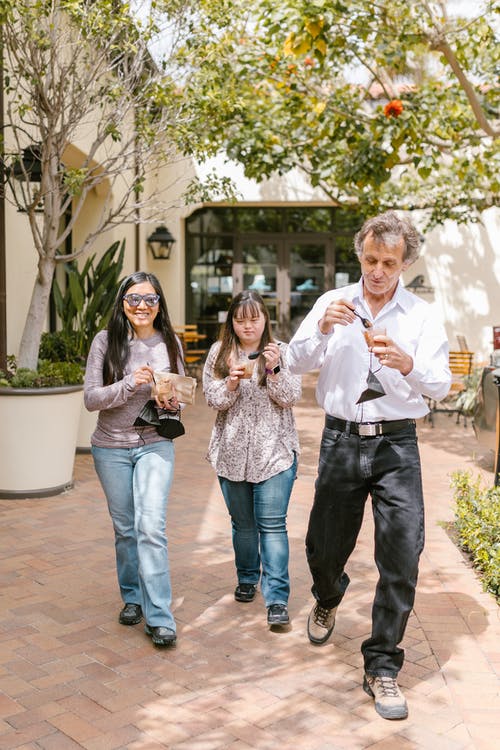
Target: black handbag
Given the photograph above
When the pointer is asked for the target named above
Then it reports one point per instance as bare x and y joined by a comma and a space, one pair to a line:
167, 424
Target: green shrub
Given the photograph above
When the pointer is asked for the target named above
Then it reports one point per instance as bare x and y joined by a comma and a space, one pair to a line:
477, 520
61, 346
467, 399
49, 374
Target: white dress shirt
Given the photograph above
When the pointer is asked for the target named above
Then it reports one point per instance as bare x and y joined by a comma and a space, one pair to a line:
344, 359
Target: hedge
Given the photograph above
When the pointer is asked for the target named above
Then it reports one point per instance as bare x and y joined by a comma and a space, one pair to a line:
477, 521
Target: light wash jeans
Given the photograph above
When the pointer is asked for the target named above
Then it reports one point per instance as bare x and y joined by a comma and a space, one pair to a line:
258, 519
136, 482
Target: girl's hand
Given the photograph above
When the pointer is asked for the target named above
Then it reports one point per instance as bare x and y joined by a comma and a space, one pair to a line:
143, 375
272, 355
236, 373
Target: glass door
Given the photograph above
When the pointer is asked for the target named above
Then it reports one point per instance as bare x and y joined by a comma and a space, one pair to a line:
289, 273
307, 263
258, 269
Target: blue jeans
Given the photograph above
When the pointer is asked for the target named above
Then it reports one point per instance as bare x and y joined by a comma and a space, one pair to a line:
258, 519
136, 482
387, 468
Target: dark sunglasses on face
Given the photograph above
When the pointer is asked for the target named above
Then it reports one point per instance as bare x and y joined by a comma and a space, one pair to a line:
134, 300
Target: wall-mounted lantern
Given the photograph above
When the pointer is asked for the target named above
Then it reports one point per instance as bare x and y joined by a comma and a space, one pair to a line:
29, 166
25, 167
160, 243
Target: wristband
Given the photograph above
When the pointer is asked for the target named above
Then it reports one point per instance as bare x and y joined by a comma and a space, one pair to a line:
275, 371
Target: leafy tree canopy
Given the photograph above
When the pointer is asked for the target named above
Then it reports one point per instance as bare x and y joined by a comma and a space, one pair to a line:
381, 104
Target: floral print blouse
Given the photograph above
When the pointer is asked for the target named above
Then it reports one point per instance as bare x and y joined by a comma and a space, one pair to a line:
254, 436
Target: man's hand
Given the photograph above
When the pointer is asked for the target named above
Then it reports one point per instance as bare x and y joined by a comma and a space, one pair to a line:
339, 312
390, 354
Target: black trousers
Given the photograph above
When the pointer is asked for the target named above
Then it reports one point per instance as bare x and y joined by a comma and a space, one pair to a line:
387, 467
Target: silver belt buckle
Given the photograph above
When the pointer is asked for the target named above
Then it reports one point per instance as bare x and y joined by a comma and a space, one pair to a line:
369, 430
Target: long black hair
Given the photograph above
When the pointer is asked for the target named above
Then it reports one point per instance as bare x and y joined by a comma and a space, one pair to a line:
248, 304
119, 330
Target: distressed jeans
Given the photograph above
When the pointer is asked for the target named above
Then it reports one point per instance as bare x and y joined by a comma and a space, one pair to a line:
136, 482
258, 519
387, 467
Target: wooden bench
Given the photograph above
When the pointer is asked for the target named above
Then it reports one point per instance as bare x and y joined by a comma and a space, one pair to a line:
460, 364
189, 337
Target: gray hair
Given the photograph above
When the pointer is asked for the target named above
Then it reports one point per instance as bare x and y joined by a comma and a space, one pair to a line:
389, 228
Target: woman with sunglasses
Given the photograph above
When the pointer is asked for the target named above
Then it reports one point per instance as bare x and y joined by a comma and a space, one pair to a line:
254, 448
135, 465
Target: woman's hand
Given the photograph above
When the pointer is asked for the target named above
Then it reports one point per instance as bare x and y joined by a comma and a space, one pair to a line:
143, 375
168, 401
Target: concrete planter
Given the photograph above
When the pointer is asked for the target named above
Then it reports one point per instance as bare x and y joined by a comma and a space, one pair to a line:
38, 440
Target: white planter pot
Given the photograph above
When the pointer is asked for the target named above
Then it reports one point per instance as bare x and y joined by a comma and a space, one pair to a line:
86, 426
38, 440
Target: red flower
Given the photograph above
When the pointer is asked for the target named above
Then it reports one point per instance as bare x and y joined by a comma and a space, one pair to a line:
393, 108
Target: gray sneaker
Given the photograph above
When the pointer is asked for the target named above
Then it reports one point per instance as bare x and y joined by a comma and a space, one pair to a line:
320, 623
390, 702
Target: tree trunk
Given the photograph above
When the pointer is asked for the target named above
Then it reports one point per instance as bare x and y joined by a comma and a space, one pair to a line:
35, 319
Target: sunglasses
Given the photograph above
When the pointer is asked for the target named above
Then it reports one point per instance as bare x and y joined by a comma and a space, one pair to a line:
134, 300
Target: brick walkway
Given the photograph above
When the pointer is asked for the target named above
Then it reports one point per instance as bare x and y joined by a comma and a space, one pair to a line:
72, 677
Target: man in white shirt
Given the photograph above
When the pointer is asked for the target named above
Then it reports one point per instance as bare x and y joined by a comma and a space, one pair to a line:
369, 443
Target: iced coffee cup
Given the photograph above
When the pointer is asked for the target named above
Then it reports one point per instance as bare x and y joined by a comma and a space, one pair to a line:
248, 366
370, 333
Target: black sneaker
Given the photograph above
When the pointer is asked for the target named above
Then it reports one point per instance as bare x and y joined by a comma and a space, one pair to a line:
160, 635
277, 614
131, 614
245, 592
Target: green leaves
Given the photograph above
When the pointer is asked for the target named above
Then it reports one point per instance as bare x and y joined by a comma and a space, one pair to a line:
87, 301
477, 519
308, 87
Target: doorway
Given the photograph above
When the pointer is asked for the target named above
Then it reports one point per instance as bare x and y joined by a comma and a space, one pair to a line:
290, 255
289, 272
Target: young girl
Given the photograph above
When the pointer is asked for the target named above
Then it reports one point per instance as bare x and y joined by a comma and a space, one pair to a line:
254, 448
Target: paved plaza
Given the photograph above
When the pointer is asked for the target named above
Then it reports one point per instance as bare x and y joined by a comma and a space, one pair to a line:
72, 677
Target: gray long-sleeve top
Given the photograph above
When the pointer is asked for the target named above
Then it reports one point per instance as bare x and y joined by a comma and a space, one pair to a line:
119, 404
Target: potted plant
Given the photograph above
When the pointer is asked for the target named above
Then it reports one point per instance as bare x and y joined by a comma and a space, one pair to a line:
87, 112
83, 308
40, 414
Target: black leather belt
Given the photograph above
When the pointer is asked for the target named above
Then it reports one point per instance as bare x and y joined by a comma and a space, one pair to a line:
368, 429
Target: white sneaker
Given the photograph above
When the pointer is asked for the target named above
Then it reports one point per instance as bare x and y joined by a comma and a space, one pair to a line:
390, 702
320, 623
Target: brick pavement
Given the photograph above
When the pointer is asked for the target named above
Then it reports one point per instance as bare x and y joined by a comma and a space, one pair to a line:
72, 677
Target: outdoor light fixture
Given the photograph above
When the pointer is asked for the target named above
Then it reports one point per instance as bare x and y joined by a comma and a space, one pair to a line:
160, 243
24, 167
29, 166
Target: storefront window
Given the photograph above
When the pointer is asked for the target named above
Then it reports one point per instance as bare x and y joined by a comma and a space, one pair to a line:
290, 255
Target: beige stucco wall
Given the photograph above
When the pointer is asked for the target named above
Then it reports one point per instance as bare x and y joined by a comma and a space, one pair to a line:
168, 182
462, 264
